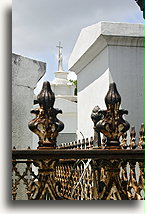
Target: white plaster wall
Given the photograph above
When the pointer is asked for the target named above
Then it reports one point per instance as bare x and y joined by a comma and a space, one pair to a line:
69, 116
89, 97
126, 68
121, 64
93, 83
70, 122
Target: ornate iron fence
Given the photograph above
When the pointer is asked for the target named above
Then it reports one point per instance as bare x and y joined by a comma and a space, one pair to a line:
79, 174
107, 168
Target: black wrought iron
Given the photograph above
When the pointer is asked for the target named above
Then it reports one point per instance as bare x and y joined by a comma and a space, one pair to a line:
92, 174
96, 116
46, 124
114, 170
140, 4
113, 126
78, 171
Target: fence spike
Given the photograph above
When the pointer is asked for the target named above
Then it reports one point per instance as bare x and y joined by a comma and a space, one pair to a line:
124, 141
46, 119
141, 137
132, 143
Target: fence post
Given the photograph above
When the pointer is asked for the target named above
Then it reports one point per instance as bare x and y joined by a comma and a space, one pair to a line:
113, 126
46, 124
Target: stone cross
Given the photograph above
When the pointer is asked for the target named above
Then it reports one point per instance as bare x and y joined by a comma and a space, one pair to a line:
60, 66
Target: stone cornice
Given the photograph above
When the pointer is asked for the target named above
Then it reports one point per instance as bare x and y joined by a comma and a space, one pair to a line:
93, 39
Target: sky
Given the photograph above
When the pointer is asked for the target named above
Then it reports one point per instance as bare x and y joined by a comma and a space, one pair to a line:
39, 25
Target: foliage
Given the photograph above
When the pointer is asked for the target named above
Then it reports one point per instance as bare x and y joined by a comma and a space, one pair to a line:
75, 83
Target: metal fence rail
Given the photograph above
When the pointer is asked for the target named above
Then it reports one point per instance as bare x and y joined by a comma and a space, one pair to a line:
108, 168
79, 174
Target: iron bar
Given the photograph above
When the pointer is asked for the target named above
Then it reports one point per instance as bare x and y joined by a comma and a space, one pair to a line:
78, 154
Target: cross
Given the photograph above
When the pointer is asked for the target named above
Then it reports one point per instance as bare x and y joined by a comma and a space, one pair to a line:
60, 66
59, 46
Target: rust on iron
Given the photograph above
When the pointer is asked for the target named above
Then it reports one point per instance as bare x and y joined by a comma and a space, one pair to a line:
46, 124
113, 126
96, 116
107, 168
79, 174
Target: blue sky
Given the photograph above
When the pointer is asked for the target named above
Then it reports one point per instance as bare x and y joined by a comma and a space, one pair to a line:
38, 26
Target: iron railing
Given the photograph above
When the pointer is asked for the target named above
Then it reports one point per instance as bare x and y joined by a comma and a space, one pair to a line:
102, 168
83, 174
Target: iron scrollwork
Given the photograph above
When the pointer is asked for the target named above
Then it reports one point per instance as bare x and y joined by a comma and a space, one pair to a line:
113, 126
46, 124
109, 176
46, 188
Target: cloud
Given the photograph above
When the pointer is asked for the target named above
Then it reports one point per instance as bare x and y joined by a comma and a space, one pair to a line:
37, 26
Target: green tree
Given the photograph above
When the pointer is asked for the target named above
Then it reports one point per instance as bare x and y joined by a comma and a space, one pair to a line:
75, 83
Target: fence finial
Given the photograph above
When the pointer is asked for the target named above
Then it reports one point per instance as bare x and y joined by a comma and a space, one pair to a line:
96, 116
46, 124
113, 125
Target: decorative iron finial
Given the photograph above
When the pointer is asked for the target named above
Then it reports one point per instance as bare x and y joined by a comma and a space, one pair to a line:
112, 125
96, 116
132, 144
46, 125
60, 58
141, 144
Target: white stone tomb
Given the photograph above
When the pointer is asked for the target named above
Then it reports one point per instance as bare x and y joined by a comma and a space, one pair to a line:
106, 52
25, 75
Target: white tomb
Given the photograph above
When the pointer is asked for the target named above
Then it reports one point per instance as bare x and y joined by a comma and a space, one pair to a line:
66, 101
106, 52
25, 75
